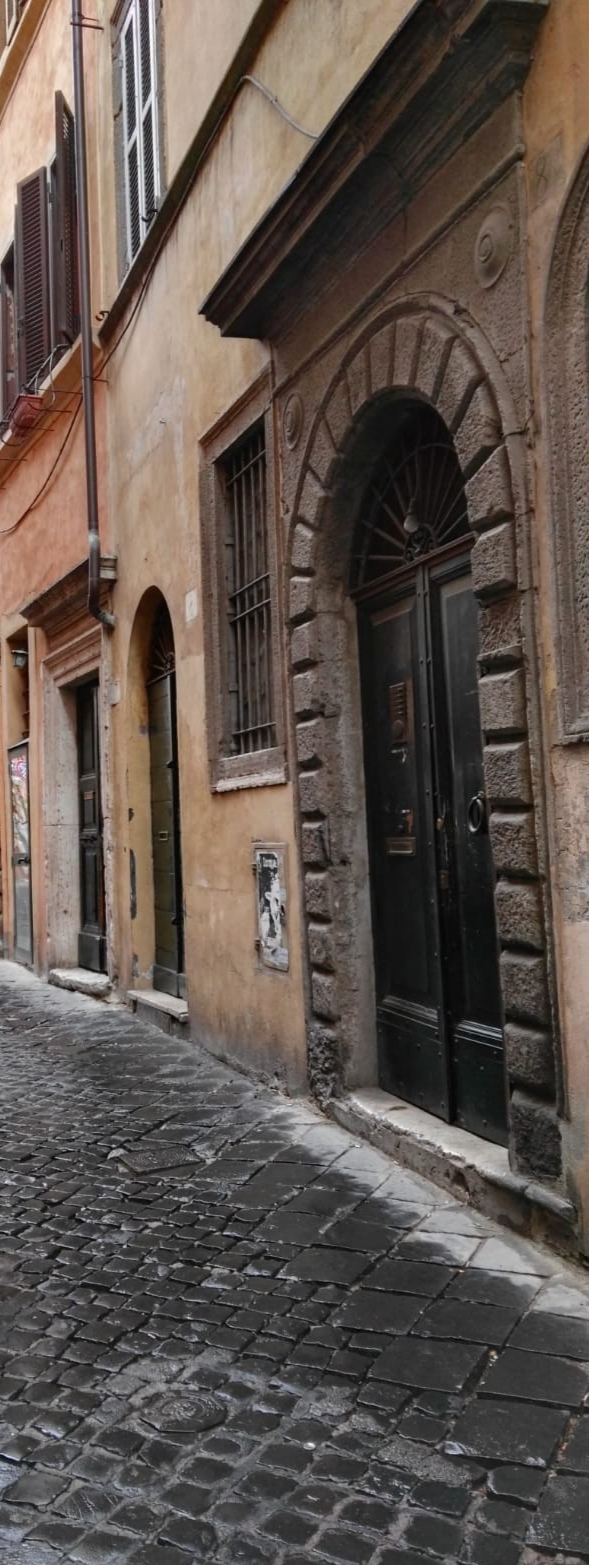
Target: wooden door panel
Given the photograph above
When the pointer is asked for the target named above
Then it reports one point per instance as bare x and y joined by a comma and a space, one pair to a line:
91, 937
407, 960
167, 881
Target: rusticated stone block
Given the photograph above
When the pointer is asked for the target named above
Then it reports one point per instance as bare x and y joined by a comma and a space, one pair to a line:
338, 412
304, 543
494, 568
407, 338
322, 458
324, 997
306, 693
301, 598
519, 914
507, 773
435, 347
502, 703
530, 1058
321, 946
324, 1063
525, 990
311, 500
535, 1136
358, 378
313, 792
461, 377
488, 492
315, 844
513, 842
381, 368
500, 629
303, 644
309, 739
317, 895
478, 432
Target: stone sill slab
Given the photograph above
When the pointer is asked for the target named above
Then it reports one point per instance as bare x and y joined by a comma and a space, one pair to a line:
472, 1169
162, 1010
81, 980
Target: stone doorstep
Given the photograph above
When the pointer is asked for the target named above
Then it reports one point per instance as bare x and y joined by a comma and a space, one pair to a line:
465, 1165
162, 1010
81, 980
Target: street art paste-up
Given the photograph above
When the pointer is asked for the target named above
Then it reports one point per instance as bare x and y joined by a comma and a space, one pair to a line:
271, 906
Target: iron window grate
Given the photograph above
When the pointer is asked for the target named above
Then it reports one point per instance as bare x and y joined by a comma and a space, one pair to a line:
250, 685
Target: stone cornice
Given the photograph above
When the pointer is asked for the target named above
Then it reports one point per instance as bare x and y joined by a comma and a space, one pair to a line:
66, 599
444, 72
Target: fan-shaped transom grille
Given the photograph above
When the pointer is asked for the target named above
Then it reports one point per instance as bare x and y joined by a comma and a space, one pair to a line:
162, 659
415, 501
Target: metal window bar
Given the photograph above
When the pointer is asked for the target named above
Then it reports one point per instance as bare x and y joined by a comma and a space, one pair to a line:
251, 714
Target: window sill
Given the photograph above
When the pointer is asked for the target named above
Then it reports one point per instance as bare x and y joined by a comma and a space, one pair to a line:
53, 400
266, 770
15, 51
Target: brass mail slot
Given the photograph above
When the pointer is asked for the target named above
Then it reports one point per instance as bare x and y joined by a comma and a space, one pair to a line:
406, 845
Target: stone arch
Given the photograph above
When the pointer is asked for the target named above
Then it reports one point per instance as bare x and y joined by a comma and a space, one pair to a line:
416, 349
567, 340
138, 784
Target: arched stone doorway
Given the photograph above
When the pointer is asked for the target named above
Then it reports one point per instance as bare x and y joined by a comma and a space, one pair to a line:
153, 779
415, 353
436, 962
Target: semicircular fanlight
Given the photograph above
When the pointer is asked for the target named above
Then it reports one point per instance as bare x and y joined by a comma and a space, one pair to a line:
162, 657
414, 503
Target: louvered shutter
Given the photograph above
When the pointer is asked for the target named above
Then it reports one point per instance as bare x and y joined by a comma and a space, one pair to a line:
11, 12
131, 135
32, 262
65, 228
149, 182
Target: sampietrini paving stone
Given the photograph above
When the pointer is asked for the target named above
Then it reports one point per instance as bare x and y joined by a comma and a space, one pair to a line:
281, 1349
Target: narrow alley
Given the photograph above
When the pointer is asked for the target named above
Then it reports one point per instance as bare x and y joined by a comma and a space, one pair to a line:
230, 1332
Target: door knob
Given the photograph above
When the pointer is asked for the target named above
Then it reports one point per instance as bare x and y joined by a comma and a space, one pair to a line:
476, 814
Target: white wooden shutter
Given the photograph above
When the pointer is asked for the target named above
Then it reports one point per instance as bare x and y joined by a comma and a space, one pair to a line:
11, 16
141, 158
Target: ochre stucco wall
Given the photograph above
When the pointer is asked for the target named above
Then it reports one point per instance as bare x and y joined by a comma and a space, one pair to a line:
169, 382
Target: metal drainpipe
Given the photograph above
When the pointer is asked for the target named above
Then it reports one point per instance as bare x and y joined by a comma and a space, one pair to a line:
86, 322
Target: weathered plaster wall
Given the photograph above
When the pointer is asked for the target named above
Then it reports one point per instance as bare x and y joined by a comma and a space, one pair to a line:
39, 545
169, 382
556, 114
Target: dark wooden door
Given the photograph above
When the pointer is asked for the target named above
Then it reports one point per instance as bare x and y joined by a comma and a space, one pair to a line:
436, 957
168, 972
91, 937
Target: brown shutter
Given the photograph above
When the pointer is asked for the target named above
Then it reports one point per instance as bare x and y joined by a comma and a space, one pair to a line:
65, 229
32, 260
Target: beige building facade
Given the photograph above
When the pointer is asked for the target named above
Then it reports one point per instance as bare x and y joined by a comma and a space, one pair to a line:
320, 786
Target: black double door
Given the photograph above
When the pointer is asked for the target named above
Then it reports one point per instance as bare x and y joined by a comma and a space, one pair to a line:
91, 937
436, 956
168, 971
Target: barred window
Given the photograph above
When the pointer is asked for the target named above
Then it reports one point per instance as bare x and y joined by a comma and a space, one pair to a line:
240, 543
251, 717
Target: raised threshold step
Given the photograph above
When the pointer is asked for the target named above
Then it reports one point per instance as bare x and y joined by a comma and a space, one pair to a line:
162, 1010
81, 980
471, 1168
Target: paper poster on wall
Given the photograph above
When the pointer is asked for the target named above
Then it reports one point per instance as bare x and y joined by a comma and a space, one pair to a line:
270, 881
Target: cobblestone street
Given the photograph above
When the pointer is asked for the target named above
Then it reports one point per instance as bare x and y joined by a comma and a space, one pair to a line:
230, 1332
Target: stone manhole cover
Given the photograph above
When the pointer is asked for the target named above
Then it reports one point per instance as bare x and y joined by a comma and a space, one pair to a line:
181, 1414
155, 1158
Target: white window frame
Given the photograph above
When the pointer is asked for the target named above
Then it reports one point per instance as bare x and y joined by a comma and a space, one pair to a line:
142, 113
